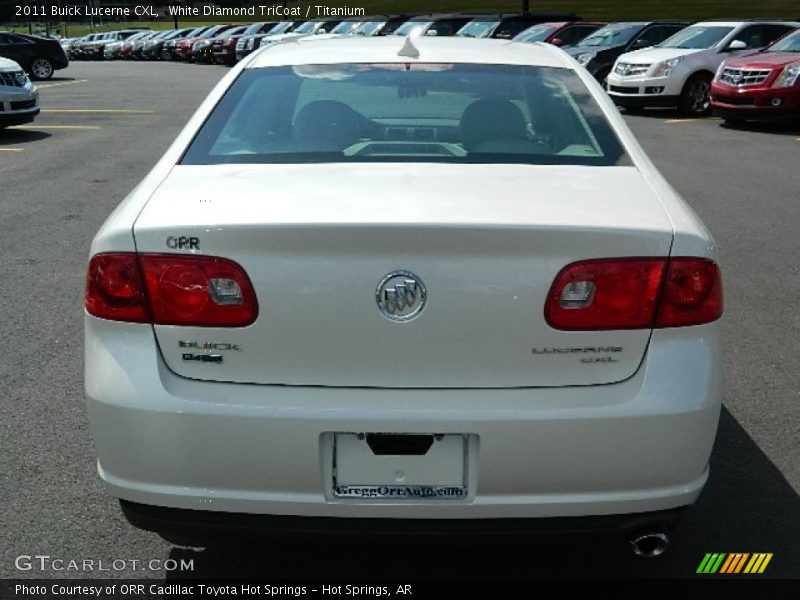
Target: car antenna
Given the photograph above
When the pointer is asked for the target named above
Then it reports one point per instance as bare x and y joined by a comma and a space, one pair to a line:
409, 49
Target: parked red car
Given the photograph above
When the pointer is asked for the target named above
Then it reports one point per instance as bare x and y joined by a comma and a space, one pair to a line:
760, 86
183, 49
565, 33
224, 47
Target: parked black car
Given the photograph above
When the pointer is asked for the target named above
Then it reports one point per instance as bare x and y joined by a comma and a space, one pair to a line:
250, 42
599, 50
39, 56
512, 24
152, 48
392, 23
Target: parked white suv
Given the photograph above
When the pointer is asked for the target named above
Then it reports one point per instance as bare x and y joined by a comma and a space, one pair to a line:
678, 71
19, 98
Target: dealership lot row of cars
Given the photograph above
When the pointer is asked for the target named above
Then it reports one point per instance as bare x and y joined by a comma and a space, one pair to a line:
741, 69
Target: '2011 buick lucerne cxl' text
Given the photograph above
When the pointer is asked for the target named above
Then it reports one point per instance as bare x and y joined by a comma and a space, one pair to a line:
409, 284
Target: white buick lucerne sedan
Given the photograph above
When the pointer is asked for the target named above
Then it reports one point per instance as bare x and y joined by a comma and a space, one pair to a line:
413, 285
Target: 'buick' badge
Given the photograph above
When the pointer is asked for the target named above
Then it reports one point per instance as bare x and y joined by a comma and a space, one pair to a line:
400, 296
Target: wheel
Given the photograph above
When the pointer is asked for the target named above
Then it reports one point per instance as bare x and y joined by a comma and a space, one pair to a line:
694, 100
41, 68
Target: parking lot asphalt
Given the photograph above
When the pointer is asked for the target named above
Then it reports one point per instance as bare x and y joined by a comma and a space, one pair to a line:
103, 126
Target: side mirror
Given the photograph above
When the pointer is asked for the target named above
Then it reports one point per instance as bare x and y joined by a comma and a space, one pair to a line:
431, 33
640, 43
737, 45
557, 42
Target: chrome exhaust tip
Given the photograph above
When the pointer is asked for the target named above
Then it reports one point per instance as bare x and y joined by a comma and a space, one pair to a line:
650, 545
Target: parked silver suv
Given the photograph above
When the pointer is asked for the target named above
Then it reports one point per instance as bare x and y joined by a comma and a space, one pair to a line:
19, 98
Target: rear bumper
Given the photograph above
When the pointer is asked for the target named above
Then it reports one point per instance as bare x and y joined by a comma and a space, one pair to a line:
638, 446
206, 524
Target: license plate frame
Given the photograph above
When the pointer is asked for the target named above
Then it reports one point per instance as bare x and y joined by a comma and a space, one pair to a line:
449, 451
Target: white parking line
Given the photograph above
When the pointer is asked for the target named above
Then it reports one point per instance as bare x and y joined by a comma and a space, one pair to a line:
49, 85
694, 120
11, 149
133, 111
55, 127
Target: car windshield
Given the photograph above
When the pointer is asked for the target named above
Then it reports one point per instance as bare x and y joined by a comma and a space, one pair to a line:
615, 34
345, 27
307, 27
537, 33
407, 112
791, 43
254, 28
406, 28
697, 37
368, 28
478, 29
281, 27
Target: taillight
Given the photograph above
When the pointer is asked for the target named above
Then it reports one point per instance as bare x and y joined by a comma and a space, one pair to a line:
692, 293
114, 288
169, 289
634, 293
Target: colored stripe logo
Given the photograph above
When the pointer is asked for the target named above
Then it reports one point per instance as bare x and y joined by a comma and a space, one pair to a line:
735, 562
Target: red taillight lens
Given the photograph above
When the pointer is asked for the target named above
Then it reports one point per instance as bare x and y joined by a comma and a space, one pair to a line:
692, 293
198, 291
605, 294
634, 293
114, 288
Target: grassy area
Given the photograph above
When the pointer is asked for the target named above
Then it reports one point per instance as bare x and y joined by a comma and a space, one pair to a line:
599, 10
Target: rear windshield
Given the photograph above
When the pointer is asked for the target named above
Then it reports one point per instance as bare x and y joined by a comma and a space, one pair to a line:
407, 113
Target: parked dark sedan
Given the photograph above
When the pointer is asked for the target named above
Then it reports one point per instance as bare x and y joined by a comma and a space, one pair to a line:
558, 34
203, 50
39, 56
224, 47
250, 42
598, 51
506, 26
153, 48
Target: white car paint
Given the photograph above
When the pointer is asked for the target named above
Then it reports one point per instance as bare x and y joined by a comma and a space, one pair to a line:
645, 67
537, 447
16, 86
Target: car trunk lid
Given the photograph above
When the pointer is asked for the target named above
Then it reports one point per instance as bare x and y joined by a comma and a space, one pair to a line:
317, 240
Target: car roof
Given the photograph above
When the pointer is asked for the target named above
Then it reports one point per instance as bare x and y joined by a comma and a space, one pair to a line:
387, 49
747, 22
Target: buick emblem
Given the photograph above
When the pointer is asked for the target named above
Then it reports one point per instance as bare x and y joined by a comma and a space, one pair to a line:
400, 296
